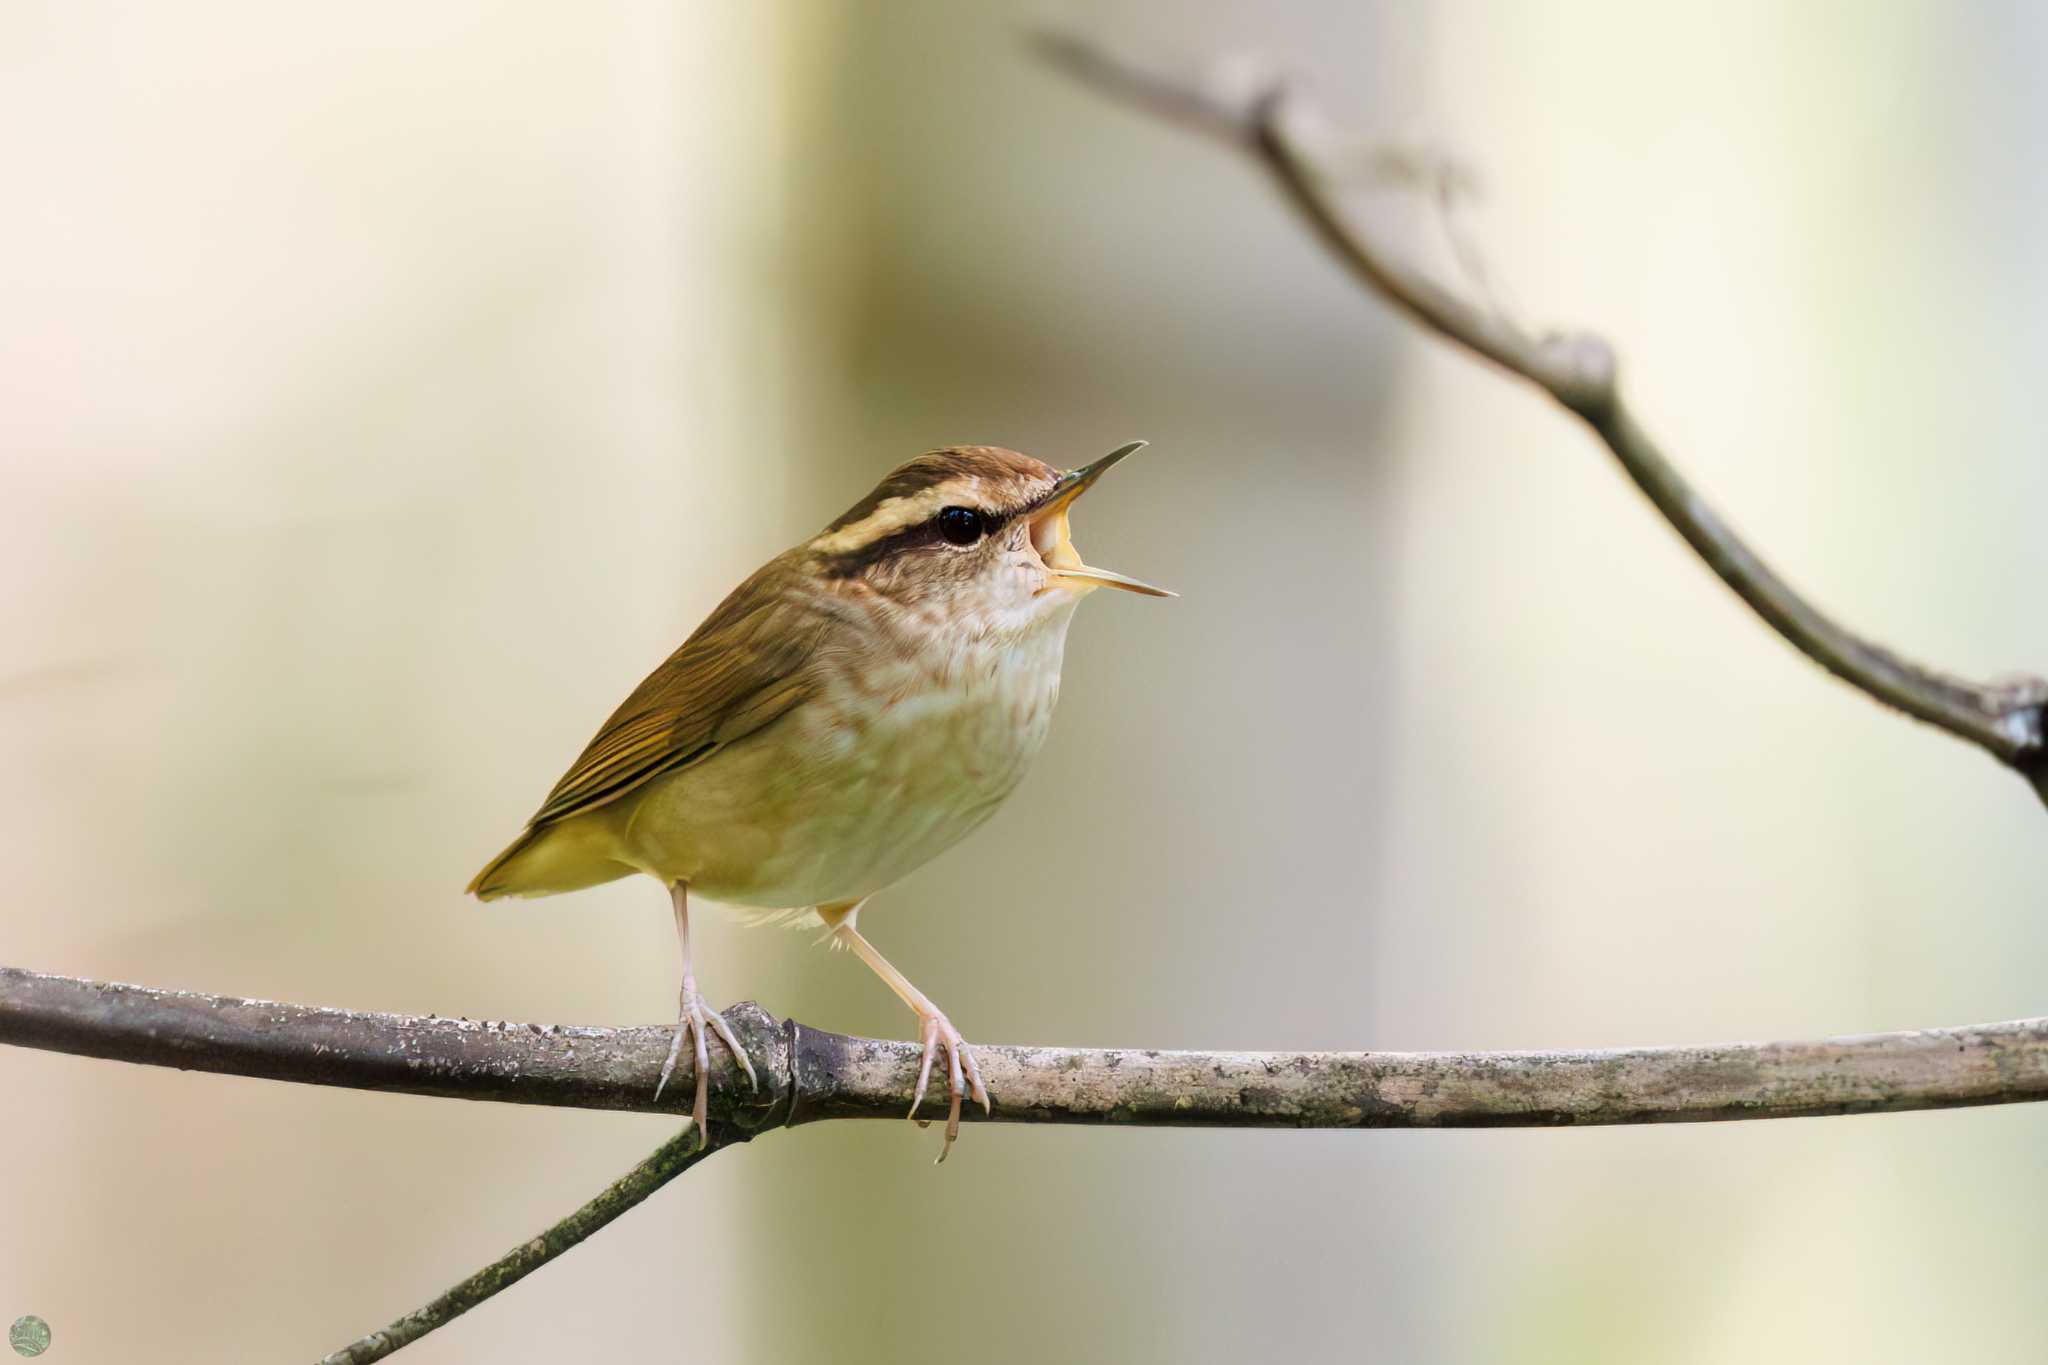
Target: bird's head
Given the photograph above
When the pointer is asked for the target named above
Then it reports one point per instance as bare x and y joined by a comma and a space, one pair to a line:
979, 529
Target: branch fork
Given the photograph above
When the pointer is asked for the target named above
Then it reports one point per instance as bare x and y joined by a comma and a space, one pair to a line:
808, 1075
1271, 123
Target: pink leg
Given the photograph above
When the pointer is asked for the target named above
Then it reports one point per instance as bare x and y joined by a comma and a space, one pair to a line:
693, 1019
935, 1031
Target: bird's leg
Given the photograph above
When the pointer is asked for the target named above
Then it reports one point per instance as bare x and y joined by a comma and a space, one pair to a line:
693, 1017
963, 1077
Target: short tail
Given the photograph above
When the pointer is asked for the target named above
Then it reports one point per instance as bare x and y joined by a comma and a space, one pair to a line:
490, 883
549, 859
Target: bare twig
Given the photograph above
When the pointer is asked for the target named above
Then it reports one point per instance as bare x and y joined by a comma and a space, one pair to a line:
808, 1075
668, 1161
1578, 370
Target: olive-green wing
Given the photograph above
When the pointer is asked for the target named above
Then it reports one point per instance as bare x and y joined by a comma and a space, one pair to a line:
742, 669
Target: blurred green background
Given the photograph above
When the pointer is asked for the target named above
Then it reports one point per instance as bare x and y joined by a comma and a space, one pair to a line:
388, 387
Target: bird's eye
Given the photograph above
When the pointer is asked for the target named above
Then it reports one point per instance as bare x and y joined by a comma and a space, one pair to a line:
961, 525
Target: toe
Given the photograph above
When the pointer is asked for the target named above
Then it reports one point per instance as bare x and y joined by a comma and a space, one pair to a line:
703, 1049
963, 1077
975, 1089
930, 1034
700, 1111
732, 1043
952, 1125
955, 1082
675, 1050
955, 1087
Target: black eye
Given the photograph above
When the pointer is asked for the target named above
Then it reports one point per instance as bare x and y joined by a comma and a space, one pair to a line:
960, 525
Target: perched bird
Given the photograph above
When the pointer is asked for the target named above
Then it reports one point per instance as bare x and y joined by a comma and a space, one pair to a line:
859, 705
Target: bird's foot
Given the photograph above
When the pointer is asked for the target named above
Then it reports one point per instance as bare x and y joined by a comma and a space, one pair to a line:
963, 1077
694, 1020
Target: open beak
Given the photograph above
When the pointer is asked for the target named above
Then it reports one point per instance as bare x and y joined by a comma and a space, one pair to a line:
1054, 540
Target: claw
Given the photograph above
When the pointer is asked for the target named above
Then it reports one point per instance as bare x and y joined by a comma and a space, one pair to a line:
963, 1077
725, 1035
675, 1050
933, 1028
927, 1034
695, 1022
975, 1089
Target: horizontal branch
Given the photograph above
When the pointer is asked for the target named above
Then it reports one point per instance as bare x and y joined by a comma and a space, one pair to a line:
1261, 117
808, 1075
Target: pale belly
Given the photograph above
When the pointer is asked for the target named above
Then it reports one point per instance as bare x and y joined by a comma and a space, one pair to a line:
846, 796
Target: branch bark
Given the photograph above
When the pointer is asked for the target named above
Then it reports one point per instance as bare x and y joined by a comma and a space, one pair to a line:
2008, 719
810, 1075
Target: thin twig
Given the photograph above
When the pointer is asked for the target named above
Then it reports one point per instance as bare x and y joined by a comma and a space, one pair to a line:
1578, 370
671, 1159
808, 1075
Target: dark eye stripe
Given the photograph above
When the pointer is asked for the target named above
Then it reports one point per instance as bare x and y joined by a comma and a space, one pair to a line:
925, 533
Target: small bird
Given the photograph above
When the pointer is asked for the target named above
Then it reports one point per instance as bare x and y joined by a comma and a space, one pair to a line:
858, 706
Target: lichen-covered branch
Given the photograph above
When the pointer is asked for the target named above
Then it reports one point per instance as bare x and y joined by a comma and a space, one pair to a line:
665, 1163
809, 1075
2007, 719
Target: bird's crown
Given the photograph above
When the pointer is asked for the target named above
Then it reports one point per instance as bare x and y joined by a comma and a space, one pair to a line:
989, 481
979, 525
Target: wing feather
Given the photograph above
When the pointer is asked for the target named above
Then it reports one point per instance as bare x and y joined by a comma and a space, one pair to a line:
742, 670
